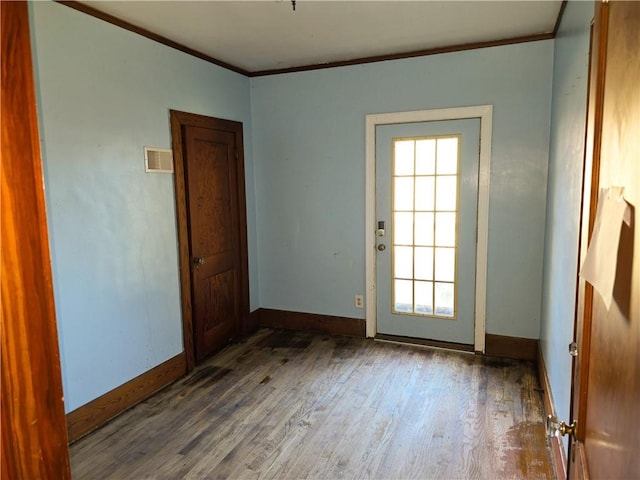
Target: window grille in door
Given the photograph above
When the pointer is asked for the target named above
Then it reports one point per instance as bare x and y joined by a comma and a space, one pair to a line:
425, 218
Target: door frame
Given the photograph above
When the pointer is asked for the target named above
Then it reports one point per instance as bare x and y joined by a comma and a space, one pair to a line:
485, 114
34, 442
178, 121
575, 461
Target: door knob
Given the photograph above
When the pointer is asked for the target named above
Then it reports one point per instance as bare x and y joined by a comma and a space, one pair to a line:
381, 247
556, 428
198, 261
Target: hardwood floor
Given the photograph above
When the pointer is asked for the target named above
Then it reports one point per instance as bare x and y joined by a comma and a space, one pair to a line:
294, 405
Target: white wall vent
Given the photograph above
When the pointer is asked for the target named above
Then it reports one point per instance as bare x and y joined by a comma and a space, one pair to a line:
158, 160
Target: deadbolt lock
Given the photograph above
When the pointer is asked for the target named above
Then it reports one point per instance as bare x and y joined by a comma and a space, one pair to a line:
556, 428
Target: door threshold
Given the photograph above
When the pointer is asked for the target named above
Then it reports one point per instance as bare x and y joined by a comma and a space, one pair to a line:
423, 342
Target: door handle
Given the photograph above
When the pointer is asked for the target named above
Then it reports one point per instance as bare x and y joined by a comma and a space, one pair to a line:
381, 247
556, 428
197, 261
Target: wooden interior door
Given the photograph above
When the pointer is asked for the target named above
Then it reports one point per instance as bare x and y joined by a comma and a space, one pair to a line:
606, 399
216, 251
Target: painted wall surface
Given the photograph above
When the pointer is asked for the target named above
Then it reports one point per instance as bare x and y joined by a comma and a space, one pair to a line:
568, 117
310, 173
104, 94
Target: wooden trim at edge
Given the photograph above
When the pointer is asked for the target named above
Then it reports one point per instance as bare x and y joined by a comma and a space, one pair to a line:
460, 347
563, 6
311, 322
96, 413
33, 440
516, 348
118, 22
496, 345
404, 55
558, 456
91, 11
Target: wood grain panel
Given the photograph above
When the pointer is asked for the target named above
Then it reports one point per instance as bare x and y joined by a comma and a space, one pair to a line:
612, 424
511, 347
212, 168
219, 302
312, 322
34, 437
180, 122
99, 411
214, 235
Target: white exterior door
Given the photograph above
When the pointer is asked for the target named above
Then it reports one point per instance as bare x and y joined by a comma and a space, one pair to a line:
426, 178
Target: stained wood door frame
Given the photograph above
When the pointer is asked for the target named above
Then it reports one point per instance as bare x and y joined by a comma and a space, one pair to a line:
34, 431
590, 182
179, 120
485, 114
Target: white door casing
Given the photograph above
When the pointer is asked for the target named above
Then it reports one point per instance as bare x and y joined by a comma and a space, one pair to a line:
485, 114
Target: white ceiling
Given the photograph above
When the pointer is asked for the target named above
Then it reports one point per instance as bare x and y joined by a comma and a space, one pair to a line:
268, 34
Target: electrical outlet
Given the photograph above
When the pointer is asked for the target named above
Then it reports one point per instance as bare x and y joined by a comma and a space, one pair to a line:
358, 301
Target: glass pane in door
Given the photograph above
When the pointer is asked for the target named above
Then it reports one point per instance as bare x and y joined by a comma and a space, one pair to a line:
425, 212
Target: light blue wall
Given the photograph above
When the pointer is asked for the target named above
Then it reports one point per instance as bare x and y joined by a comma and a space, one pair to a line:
568, 115
104, 94
309, 167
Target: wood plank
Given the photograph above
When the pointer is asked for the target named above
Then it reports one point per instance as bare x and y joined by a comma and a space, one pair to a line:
99, 411
34, 437
511, 347
290, 404
312, 322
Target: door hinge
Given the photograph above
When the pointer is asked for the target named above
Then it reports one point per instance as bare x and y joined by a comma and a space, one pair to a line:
574, 447
573, 349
